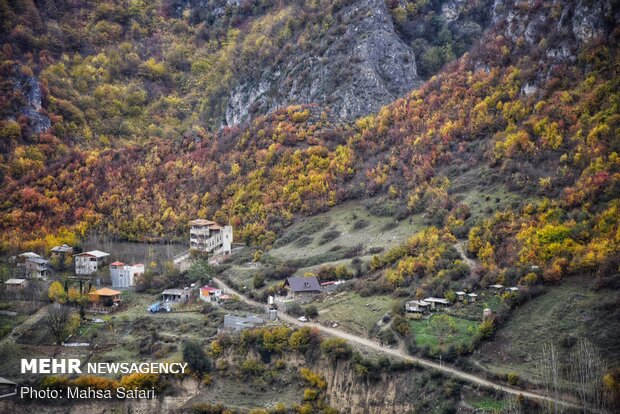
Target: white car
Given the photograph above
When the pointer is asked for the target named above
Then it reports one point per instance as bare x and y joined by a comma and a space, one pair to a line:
302, 319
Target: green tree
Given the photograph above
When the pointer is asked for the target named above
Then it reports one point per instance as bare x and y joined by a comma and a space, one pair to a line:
311, 311
196, 358
443, 326
200, 271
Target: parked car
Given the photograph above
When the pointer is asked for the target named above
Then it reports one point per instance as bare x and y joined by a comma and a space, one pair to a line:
302, 319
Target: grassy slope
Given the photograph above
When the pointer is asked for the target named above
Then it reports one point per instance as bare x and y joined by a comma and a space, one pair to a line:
571, 308
343, 218
352, 312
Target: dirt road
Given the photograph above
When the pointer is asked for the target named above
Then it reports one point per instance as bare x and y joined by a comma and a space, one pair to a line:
455, 372
460, 247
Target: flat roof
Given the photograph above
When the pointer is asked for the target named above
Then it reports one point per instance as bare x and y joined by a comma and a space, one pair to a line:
418, 303
15, 281
473, 295
437, 300
201, 222
173, 292
497, 286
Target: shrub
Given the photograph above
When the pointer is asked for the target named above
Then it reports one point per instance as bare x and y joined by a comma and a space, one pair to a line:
258, 281
302, 339
294, 309
329, 236
310, 394
303, 241
487, 328
336, 349
388, 337
400, 325
252, 367
312, 378
196, 358
311, 311
360, 224
513, 378
140, 381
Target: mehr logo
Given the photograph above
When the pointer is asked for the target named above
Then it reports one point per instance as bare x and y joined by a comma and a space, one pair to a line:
51, 366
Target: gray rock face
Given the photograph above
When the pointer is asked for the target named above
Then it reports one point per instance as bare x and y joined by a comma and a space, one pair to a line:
365, 68
584, 19
29, 87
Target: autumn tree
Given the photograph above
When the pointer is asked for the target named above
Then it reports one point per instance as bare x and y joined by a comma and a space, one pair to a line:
56, 292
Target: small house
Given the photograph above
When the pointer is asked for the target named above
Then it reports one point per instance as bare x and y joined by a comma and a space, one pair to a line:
298, 287
460, 296
210, 294
89, 262
497, 288
107, 297
123, 275
16, 284
61, 252
417, 306
513, 290
36, 267
437, 302
471, 297
175, 295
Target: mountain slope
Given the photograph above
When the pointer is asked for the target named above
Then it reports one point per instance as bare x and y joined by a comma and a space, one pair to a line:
532, 112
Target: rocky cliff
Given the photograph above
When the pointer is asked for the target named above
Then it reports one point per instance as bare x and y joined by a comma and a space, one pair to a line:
359, 66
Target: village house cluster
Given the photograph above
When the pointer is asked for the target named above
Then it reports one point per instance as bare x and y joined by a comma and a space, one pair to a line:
205, 236
429, 304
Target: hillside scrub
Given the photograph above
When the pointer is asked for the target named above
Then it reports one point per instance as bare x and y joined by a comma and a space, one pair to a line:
556, 142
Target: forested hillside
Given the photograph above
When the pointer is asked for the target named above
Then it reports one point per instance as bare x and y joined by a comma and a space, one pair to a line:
120, 136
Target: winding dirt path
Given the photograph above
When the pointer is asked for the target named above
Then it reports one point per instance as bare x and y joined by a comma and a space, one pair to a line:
460, 247
455, 372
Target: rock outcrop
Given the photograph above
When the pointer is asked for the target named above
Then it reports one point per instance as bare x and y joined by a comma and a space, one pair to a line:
30, 89
366, 67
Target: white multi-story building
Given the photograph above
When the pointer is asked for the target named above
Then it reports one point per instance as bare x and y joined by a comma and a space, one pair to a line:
88, 263
208, 236
123, 275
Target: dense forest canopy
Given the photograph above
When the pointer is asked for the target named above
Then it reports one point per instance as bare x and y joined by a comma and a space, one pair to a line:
111, 121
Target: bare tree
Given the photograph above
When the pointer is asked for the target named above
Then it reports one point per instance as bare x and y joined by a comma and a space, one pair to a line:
586, 370
57, 319
512, 405
549, 368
